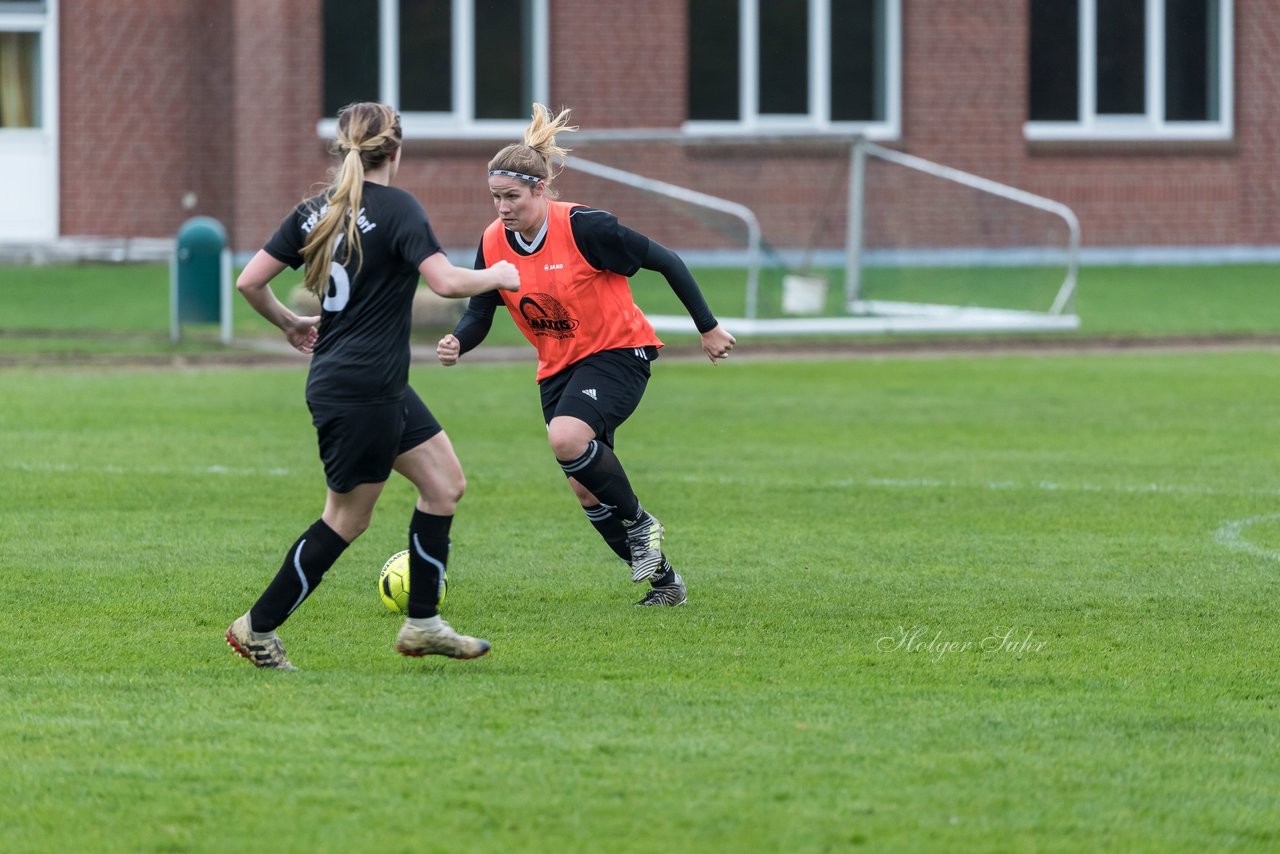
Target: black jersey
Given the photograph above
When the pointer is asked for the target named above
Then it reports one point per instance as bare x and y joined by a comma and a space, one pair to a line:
362, 351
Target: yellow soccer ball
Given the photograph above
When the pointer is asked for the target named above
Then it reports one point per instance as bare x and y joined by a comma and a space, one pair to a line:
393, 584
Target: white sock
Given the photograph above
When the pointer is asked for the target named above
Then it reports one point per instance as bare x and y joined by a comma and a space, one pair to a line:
431, 624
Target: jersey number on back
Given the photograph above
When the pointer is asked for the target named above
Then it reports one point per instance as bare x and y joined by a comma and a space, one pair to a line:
338, 293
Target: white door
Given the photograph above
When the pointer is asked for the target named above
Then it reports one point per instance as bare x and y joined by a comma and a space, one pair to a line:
28, 122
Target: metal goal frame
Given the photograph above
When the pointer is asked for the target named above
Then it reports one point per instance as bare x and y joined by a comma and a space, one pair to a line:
867, 317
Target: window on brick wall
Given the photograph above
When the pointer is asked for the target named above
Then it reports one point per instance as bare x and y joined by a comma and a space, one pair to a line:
452, 67
1130, 69
22, 28
794, 65
29, 120
19, 80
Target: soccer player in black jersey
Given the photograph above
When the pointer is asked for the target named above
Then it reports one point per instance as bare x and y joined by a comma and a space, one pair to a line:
594, 344
364, 244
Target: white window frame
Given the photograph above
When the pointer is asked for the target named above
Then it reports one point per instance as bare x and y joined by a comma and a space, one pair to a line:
460, 123
40, 143
1150, 125
15, 18
818, 119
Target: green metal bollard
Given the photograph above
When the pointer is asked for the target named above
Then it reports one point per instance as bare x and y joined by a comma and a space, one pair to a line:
200, 277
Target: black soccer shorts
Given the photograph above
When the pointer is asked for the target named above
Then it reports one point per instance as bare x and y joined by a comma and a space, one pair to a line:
603, 389
359, 442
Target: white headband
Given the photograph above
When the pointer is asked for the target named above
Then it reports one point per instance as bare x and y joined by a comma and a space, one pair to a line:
532, 179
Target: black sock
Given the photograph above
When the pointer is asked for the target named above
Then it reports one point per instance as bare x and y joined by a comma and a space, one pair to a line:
610, 528
305, 564
665, 577
428, 557
600, 472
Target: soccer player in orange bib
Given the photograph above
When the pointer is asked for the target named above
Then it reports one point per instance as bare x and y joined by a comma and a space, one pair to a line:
595, 346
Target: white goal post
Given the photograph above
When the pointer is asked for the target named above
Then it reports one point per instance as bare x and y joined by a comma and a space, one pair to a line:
1064, 300
694, 199
863, 315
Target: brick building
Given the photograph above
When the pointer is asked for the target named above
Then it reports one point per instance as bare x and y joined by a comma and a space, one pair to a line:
1157, 121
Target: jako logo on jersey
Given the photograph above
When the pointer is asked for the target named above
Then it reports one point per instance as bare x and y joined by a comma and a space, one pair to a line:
546, 316
552, 266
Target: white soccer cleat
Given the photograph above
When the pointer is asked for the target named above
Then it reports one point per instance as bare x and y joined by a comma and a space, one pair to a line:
644, 538
415, 642
668, 595
268, 652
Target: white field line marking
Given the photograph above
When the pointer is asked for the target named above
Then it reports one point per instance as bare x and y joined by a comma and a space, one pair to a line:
840, 483
1000, 485
65, 468
1053, 486
1231, 535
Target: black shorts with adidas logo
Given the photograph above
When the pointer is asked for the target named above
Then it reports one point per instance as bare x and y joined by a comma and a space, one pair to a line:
602, 389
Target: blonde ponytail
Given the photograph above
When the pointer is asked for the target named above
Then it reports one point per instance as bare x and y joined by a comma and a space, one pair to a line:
368, 135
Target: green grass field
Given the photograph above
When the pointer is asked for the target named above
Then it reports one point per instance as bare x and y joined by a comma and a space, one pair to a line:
1004, 603
981, 604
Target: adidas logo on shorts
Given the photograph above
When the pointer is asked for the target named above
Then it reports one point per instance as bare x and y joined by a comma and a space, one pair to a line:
590, 392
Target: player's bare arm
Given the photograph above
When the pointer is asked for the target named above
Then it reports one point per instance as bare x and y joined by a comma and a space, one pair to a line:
253, 285
452, 282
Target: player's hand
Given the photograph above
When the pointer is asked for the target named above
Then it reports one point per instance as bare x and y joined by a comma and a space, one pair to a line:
449, 348
508, 276
717, 343
301, 333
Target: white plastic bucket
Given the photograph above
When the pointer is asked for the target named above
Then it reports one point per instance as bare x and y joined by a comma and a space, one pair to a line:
804, 294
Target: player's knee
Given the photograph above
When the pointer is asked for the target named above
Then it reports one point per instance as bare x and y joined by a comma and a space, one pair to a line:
566, 443
442, 497
455, 489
